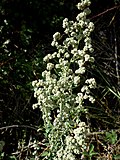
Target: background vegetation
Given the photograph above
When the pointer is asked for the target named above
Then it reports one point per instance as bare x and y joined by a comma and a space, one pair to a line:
26, 29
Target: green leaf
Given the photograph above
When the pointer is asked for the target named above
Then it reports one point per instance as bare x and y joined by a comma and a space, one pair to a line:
47, 144
2, 155
12, 158
94, 153
2, 143
116, 94
111, 137
44, 154
85, 153
91, 148
117, 156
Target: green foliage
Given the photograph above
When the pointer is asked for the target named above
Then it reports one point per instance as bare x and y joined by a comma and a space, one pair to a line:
2, 143
111, 137
91, 153
2, 157
115, 93
116, 156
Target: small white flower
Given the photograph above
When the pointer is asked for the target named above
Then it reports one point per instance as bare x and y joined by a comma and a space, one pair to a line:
87, 57
85, 48
73, 34
74, 51
47, 58
34, 106
34, 83
83, 4
65, 22
87, 40
50, 66
57, 94
91, 50
85, 96
81, 23
76, 151
76, 80
84, 88
80, 63
44, 73
6, 42
66, 31
92, 59
81, 52
91, 26
54, 55
87, 2
81, 16
81, 70
91, 99
5, 21
56, 36
86, 32
67, 55
57, 66
58, 55
54, 43
39, 83
91, 82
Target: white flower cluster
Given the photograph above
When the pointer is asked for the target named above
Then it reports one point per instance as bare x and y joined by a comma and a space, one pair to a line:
75, 143
62, 107
83, 4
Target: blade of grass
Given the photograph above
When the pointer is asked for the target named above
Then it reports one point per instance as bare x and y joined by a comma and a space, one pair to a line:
116, 94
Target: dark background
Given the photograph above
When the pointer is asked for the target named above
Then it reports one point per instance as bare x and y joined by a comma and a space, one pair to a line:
29, 26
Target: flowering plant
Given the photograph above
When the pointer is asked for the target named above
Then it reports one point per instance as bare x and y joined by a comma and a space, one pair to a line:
63, 90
